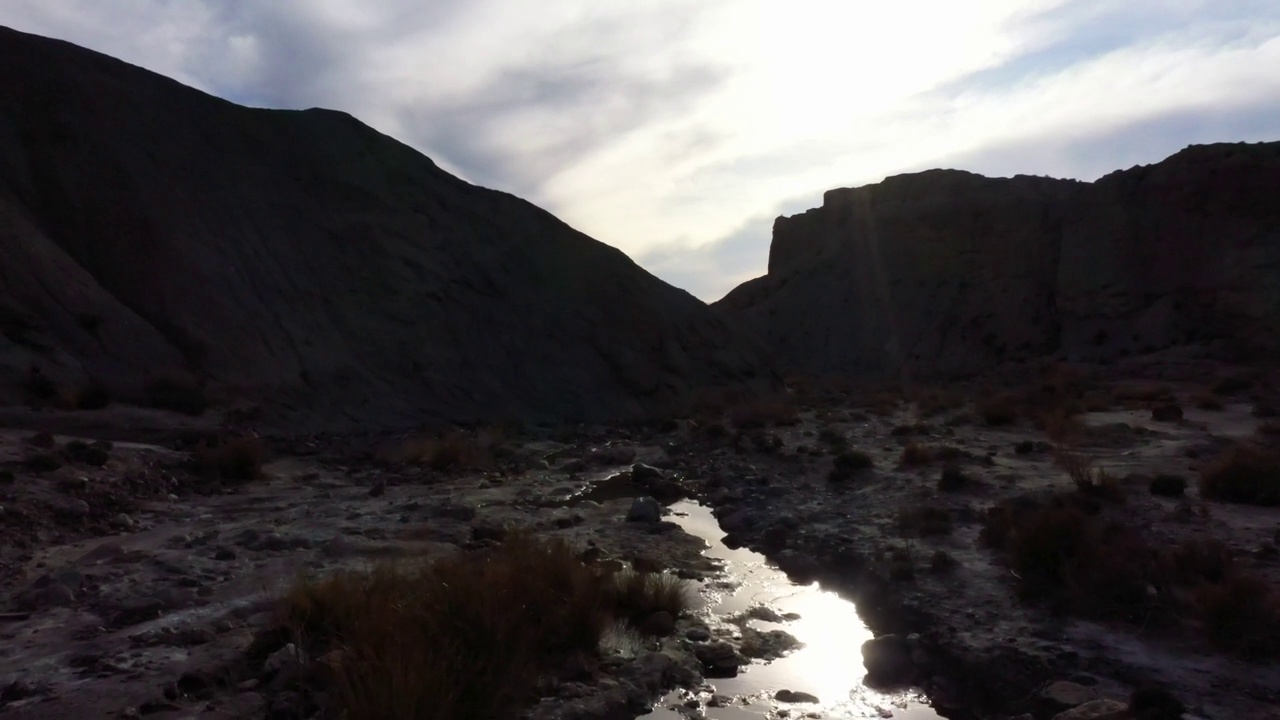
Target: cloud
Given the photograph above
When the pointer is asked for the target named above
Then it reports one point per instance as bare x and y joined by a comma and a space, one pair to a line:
676, 129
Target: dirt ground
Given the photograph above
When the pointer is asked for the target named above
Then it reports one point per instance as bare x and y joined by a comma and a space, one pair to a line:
127, 577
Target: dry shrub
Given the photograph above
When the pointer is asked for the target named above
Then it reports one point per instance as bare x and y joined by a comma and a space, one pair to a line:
1064, 555
1241, 615
916, 454
1140, 393
230, 458
999, 410
455, 450
1062, 425
935, 401
763, 412
1245, 473
848, 464
924, 521
179, 392
1206, 401
881, 403
1089, 480
465, 636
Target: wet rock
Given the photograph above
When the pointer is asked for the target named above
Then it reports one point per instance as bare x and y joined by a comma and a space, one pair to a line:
793, 696
641, 473
576, 465
1062, 695
736, 522
799, 567
776, 537
1095, 710
698, 634
1168, 412
767, 645
888, 660
644, 509
719, 659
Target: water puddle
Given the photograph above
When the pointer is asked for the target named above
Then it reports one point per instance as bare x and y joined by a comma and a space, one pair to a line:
828, 666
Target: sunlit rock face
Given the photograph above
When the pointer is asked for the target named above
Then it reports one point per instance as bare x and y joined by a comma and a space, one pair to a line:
303, 260
948, 272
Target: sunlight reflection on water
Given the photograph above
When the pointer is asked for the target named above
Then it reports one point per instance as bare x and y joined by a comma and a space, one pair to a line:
829, 665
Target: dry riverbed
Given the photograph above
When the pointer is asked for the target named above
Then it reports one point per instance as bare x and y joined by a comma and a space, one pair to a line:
134, 586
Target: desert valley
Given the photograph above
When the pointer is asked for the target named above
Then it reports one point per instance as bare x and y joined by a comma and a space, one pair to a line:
296, 424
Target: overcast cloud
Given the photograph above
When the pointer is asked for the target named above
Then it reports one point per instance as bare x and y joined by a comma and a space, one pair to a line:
677, 130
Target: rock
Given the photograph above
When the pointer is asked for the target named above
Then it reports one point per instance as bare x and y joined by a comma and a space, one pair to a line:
122, 521
799, 567
75, 508
719, 659
285, 658
1167, 412
642, 474
574, 329
1095, 710
1138, 260
1168, 485
793, 696
1062, 694
378, 488
644, 509
698, 634
888, 660
660, 623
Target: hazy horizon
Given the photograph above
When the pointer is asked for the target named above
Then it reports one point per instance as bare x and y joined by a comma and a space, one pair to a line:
677, 130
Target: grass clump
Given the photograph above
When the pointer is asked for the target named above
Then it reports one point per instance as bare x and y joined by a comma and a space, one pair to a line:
1245, 473
230, 458
465, 636
1090, 481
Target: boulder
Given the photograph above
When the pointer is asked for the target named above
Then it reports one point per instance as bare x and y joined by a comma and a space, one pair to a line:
888, 661
644, 509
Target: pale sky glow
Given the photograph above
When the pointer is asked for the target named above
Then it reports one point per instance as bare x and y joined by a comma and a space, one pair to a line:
677, 130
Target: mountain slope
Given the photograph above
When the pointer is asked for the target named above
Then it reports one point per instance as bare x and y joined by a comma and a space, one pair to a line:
302, 259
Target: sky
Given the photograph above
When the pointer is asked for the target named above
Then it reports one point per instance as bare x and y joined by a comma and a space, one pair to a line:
677, 130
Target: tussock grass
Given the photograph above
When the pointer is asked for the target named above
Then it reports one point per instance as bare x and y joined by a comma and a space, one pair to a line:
1089, 480
848, 464
230, 458
915, 454
1245, 473
464, 636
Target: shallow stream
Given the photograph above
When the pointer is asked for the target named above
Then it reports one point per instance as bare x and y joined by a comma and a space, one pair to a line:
828, 665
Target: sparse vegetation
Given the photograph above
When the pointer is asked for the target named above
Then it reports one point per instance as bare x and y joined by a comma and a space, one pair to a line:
454, 450
1241, 614
942, 562
464, 636
1245, 473
952, 479
998, 410
237, 458
1089, 480
916, 454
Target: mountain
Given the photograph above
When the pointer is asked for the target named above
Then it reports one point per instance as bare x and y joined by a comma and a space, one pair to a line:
947, 272
304, 261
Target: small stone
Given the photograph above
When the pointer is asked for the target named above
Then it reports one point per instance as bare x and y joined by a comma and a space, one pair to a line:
794, 696
123, 521
1067, 694
1095, 710
644, 509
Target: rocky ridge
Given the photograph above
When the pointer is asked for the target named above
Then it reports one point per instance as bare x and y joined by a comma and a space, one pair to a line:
947, 272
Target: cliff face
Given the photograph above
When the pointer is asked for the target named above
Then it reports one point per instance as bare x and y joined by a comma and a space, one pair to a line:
947, 272
307, 261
